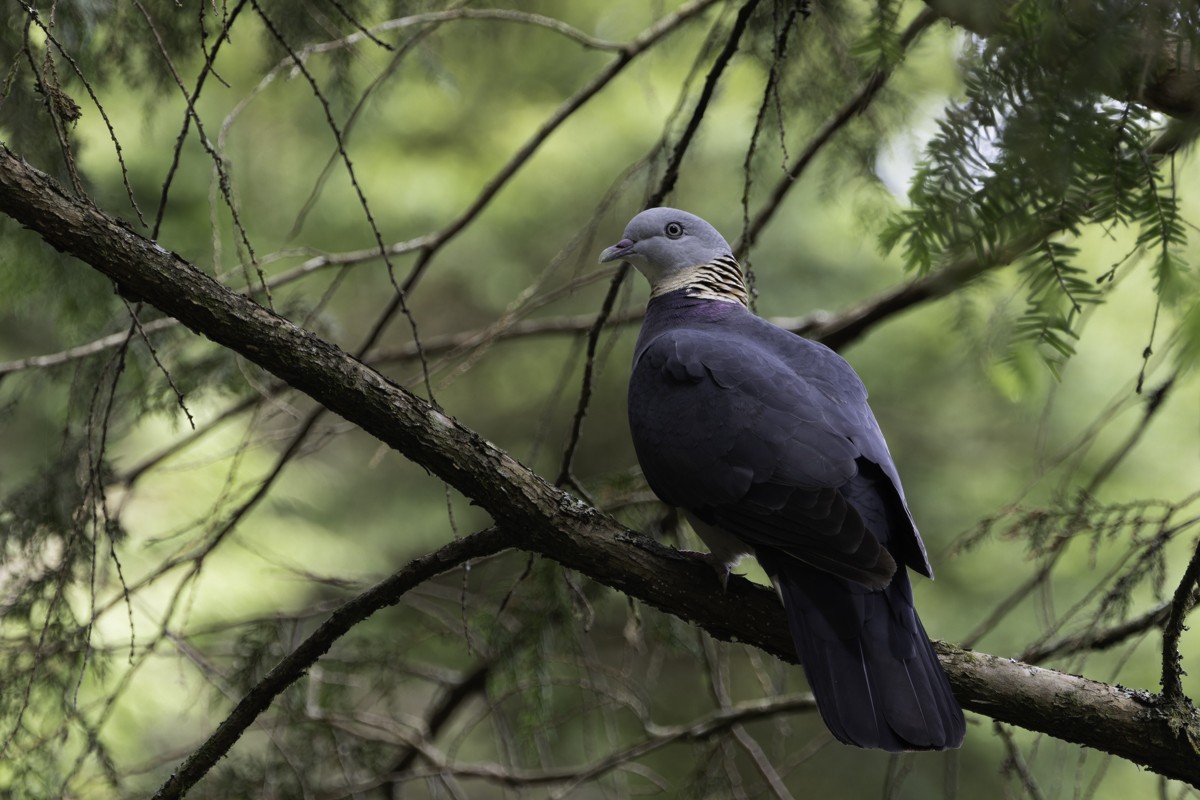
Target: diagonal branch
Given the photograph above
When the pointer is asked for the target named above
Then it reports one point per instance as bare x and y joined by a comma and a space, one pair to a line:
1128, 724
856, 105
291, 667
1154, 617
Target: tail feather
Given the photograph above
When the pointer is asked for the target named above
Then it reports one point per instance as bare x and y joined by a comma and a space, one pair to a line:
872, 669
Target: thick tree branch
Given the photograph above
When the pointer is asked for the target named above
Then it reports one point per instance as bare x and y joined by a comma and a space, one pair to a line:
550, 522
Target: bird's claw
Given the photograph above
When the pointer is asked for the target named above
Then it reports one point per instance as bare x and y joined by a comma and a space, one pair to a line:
723, 573
723, 568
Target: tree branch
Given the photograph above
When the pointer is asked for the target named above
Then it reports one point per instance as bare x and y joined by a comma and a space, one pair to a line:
1181, 604
297, 662
1119, 721
1098, 639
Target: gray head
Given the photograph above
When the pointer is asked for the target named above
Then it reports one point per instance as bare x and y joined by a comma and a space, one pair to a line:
662, 241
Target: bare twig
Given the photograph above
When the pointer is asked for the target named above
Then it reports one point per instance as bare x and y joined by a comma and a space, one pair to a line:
1017, 762
1181, 603
352, 119
192, 116
82, 351
852, 108
568, 778
401, 293
1057, 548
433, 17
666, 185
1100, 639
383, 594
55, 101
112, 133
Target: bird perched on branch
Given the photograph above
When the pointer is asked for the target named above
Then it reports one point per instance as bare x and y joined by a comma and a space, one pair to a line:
766, 442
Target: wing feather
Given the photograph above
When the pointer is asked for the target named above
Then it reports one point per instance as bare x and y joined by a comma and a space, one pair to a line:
735, 435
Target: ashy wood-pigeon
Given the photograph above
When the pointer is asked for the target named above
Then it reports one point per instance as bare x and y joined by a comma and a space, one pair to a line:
766, 442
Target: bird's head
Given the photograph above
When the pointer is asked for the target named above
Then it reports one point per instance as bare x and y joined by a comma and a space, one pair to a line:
661, 242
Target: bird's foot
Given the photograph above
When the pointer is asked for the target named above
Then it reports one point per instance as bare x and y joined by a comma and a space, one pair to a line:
719, 565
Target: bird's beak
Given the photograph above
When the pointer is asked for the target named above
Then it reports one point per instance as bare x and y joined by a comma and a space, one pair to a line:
618, 250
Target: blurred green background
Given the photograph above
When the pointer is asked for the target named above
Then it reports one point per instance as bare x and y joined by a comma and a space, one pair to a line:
980, 428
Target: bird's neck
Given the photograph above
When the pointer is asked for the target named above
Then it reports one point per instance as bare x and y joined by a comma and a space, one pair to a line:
719, 279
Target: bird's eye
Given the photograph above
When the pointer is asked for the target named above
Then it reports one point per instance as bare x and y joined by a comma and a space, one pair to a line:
673, 230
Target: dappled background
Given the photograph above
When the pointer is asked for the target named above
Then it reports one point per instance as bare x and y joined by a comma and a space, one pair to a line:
428, 185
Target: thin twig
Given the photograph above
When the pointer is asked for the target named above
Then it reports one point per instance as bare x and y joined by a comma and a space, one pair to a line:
351, 120
112, 133
1017, 761
292, 666
770, 99
191, 115
670, 176
1100, 639
432, 17
852, 108
1056, 549
1181, 603
401, 294
82, 351
657, 737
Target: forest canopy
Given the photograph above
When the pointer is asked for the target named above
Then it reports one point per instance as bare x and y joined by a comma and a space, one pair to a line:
315, 476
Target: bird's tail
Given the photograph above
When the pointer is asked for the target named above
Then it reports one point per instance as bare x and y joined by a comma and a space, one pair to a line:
872, 669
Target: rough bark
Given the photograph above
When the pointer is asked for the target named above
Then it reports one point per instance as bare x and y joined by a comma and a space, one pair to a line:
542, 519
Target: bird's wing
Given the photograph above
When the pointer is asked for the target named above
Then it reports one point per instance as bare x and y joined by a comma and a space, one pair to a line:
728, 428
848, 414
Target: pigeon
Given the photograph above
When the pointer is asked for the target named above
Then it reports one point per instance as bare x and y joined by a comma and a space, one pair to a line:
765, 441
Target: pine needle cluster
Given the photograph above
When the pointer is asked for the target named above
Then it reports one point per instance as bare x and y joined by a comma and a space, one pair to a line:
1050, 139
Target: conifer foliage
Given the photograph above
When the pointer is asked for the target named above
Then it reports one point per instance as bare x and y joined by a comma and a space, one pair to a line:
315, 478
